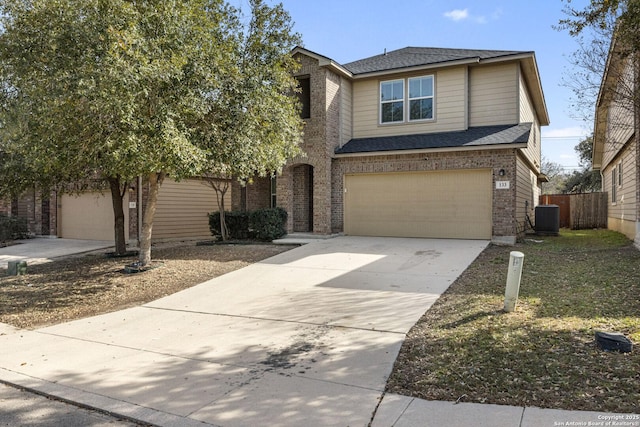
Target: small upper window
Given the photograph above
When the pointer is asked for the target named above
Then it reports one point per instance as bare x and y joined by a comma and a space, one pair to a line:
392, 101
421, 98
304, 96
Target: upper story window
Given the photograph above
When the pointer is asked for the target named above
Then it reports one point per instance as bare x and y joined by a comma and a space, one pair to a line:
392, 101
304, 96
419, 99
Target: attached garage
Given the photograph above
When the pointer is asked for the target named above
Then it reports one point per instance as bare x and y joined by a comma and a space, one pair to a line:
183, 209
88, 216
435, 204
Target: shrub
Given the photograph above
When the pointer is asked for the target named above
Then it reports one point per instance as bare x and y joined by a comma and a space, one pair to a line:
268, 224
12, 228
237, 224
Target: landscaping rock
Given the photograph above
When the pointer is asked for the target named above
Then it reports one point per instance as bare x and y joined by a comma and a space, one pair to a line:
613, 341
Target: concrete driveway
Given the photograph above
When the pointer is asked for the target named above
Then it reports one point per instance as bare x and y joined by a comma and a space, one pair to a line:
41, 249
307, 337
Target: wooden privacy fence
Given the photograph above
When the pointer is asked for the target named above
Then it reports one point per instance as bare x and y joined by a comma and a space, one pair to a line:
580, 211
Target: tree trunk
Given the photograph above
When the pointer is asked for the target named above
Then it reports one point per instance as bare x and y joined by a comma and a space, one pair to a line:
221, 189
117, 194
155, 180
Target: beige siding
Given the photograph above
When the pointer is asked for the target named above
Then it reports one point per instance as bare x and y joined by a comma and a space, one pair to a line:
493, 95
622, 211
525, 105
527, 192
619, 131
620, 117
450, 106
533, 151
437, 204
183, 208
346, 105
89, 216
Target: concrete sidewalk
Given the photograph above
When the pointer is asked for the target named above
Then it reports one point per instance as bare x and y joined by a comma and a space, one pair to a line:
307, 337
23, 408
403, 411
42, 249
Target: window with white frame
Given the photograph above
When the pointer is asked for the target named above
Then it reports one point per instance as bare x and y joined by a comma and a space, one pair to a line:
392, 101
620, 174
614, 185
416, 103
421, 98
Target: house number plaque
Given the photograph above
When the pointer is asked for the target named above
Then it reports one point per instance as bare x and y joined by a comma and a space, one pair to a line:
502, 185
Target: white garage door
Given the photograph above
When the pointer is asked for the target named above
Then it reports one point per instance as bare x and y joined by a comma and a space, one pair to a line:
183, 209
89, 216
439, 204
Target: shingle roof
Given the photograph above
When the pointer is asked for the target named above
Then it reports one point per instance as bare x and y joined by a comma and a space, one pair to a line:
417, 56
472, 137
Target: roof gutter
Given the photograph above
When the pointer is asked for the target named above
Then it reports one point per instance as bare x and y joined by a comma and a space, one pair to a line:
433, 150
513, 57
339, 69
323, 61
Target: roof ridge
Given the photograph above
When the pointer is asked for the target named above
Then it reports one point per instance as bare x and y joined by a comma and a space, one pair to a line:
412, 56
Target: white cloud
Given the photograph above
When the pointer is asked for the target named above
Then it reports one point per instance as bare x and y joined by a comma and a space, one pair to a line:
457, 14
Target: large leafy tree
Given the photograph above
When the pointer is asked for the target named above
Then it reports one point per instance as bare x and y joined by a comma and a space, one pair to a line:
584, 180
556, 177
258, 121
115, 89
608, 32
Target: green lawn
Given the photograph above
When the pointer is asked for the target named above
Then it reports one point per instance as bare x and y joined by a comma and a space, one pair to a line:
543, 354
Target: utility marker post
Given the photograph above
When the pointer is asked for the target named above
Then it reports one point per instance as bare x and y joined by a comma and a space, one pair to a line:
516, 259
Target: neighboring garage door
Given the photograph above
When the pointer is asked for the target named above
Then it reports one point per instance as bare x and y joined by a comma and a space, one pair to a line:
183, 209
439, 204
89, 216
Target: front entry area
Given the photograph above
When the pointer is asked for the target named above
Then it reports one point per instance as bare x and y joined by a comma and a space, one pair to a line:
435, 204
303, 198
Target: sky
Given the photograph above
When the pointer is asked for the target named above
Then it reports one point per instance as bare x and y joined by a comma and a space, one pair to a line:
348, 30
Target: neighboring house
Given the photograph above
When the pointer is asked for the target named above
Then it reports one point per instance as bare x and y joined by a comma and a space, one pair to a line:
616, 144
181, 212
417, 142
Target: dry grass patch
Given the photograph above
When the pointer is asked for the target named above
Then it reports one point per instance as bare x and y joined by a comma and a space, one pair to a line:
87, 285
543, 354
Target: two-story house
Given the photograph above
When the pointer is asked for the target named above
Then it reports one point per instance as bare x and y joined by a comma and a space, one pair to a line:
616, 142
416, 142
